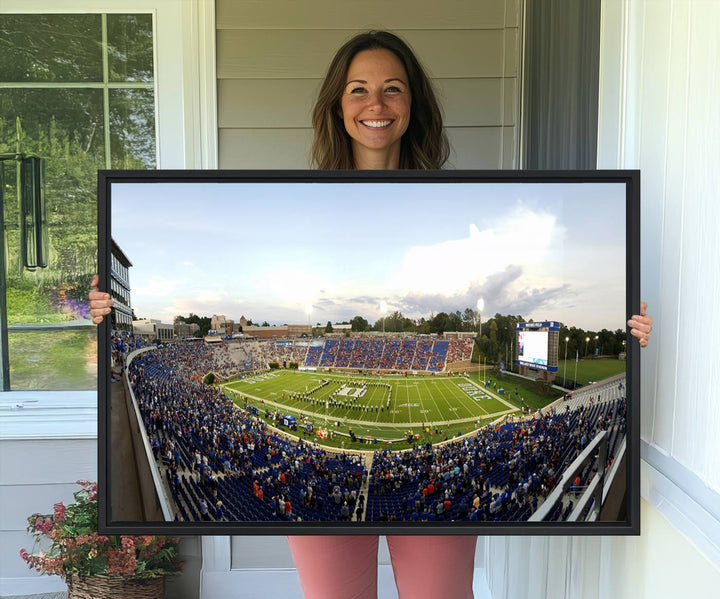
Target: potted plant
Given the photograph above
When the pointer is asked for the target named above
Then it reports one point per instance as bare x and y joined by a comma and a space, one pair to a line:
93, 565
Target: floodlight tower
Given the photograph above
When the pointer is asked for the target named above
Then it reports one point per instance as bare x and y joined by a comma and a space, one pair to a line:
577, 351
480, 306
565, 367
308, 312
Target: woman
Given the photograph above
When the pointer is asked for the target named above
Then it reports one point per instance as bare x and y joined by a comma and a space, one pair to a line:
377, 110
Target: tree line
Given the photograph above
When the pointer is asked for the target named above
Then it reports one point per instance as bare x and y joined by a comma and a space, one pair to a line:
497, 339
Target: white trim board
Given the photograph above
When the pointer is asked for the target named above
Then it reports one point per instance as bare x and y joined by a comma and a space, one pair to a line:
689, 505
48, 415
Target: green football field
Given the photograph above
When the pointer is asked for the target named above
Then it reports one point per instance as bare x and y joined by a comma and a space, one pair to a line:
590, 370
445, 405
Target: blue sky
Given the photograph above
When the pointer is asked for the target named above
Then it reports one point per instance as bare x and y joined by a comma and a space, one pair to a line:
299, 252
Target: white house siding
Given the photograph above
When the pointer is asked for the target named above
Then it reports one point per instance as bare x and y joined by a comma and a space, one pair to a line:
271, 58
47, 443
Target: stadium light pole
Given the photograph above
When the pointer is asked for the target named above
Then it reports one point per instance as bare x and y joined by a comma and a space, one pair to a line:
383, 312
308, 312
565, 367
576, 363
587, 340
596, 341
480, 306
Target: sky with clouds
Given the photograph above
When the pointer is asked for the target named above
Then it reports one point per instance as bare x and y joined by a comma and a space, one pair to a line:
298, 252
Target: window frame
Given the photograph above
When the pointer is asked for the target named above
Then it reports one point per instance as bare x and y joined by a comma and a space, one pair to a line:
186, 137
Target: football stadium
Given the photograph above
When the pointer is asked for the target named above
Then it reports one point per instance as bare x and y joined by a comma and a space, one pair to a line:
372, 428
407, 406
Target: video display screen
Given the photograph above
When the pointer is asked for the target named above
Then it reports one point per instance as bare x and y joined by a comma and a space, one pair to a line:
533, 347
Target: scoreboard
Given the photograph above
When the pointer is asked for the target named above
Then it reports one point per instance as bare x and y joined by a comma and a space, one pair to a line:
538, 344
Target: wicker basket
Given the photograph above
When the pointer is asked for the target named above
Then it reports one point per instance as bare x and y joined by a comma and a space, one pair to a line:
116, 587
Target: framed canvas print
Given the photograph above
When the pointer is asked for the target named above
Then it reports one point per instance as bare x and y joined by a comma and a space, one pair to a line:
369, 352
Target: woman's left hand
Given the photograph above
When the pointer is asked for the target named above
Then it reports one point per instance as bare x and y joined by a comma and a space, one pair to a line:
641, 325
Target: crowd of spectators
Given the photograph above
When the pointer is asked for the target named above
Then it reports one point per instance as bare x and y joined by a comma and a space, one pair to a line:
390, 353
501, 473
438, 355
223, 463
423, 351
313, 356
345, 351
367, 354
233, 357
330, 351
459, 349
122, 343
215, 451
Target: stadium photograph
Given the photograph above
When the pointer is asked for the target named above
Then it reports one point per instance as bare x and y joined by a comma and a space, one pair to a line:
287, 357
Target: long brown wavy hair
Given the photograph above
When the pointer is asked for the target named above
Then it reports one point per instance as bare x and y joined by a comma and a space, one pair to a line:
423, 146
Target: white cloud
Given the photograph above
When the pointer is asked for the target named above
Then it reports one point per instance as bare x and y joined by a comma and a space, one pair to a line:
522, 236
156, 288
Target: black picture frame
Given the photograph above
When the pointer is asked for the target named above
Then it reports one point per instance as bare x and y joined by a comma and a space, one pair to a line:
628, 501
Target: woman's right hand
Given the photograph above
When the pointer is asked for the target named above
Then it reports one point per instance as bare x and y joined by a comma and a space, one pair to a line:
100, 302
641, 325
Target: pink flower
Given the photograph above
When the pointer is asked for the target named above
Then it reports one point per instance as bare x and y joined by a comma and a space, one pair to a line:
128, 543
59, 509
53, 565
121, 562
24, 555
146, 539
44, 526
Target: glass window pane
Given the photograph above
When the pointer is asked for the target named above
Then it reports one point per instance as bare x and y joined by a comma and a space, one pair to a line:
132, 128
53, 359
50, 48
54, 121
65, 128
130, 48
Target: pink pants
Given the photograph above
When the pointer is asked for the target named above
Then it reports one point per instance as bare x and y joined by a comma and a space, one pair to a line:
336, 567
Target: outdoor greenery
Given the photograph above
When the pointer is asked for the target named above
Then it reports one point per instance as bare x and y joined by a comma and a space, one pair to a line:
202, 321
54, 360
590, 369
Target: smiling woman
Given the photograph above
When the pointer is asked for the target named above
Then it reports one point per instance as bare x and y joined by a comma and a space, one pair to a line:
364, 104
375, 108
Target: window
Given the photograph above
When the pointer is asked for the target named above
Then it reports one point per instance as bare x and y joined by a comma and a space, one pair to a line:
78, 91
